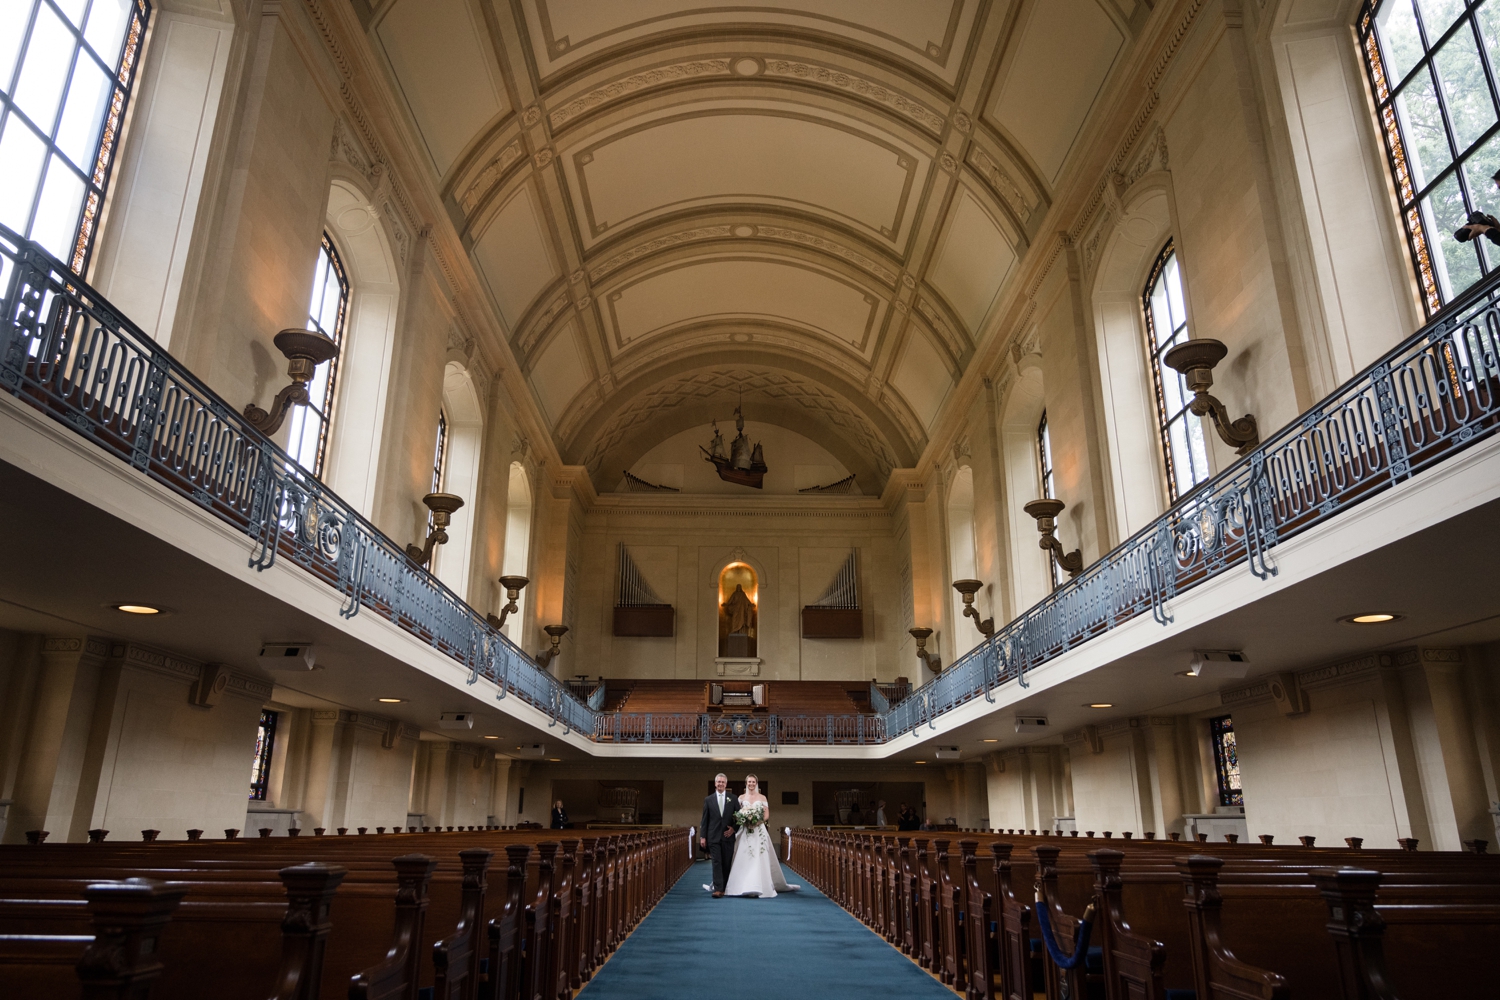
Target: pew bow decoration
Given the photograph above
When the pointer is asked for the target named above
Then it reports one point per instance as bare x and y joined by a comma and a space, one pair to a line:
1080, 945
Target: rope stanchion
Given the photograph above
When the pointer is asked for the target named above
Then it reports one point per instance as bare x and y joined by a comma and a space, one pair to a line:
1080, 946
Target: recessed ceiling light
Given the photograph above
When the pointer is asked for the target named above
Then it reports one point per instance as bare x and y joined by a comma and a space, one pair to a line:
555, 760
138, 609
1100, 704
390, 701
1370, 618
492, 737
921, 762
1187, 673
989, 741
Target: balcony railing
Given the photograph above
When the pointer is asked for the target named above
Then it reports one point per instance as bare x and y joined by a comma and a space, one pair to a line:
67, 352
70, 354
1430, 398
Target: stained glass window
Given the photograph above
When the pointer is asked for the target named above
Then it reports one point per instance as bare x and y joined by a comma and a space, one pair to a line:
1226, 761
265, 740
1183, 448
1044, 470
66, 71
307, 440
1432, 68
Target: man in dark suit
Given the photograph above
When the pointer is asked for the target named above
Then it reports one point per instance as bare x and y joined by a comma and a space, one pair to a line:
716, 831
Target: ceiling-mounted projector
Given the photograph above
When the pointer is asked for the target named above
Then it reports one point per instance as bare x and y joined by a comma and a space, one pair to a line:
1213, 664
286, 656
1031, 723
456, 720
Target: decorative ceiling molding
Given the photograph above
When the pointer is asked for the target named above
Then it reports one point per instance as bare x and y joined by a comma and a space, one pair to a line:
491, 175
1001, 182
635, 83
745, 231
832, 78
659, 243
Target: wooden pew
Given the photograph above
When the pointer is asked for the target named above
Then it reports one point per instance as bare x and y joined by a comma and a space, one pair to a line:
228, 897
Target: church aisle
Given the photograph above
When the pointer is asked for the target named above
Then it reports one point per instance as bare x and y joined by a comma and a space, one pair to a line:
798, 945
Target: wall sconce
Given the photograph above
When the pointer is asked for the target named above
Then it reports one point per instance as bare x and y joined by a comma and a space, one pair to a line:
546, 656
932, 661
442, 506
968, 588
305, 350
1045, 511
513, 586
1195, 359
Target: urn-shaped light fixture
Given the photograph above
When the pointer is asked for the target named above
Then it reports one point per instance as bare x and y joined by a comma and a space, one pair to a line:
442, 506
1045, 511
305, 350
546, 656
968, 588
1195, 359
513, 586
932, 661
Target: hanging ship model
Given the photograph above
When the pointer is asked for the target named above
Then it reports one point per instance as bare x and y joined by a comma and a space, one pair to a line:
741, 463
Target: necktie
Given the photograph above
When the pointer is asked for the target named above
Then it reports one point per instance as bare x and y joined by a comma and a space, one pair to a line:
721, 803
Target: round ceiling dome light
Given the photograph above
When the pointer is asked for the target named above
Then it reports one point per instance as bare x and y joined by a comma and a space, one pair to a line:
390, 701
1371, 618
138, 609
1100, 704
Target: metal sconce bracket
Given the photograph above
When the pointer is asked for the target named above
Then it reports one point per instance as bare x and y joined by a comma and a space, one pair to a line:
305, 350
968, 588
442, 506
931, 661
546, 656
513, 586
1045, 511
1195, 359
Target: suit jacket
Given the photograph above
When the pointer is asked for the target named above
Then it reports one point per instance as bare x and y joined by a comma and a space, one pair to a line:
712, 827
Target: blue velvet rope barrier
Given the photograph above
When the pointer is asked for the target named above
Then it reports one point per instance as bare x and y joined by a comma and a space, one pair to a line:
1080, 946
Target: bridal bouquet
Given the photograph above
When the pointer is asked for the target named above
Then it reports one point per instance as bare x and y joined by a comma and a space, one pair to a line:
751, 816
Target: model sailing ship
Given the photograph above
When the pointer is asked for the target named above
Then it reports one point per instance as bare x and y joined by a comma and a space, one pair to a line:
742, 463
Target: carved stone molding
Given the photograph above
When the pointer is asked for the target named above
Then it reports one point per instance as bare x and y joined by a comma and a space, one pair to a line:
1332, 673
634, 83
1000, 182
838, 79
695, 235
490, 176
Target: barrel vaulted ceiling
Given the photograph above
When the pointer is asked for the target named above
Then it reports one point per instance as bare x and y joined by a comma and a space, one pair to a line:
817, 203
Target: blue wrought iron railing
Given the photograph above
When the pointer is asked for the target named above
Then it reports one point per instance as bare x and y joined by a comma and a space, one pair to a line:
1433, 396
70, 354
67, 352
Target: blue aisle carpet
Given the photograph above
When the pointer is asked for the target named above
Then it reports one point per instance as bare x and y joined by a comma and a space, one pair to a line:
798, 945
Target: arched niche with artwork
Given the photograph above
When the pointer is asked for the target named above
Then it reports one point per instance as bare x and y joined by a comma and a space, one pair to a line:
734, 629
739, 611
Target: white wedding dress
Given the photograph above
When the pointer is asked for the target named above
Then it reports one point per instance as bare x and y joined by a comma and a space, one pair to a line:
756, 871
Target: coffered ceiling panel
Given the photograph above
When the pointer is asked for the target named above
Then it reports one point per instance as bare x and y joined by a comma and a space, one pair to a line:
922, 378
559, 373
742, 289
445, 70
787, 156
513, 255
972, 261
1064, 51
930, 35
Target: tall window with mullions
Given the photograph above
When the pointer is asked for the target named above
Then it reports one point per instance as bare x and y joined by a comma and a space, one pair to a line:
66, 72
1433, 72
1183, 449
307, 439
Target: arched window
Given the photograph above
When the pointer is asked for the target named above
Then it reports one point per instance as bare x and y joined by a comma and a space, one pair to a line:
456, 463
307, 439
1182, 443
1433, 70
66, 71
517, 559
1044, 476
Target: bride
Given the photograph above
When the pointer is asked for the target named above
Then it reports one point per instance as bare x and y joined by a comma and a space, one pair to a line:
755, 870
